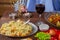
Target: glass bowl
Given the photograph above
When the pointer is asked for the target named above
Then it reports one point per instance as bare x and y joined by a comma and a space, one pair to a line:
47, 15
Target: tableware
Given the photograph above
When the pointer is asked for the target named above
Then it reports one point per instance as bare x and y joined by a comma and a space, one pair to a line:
40, 7
12, 15
27, 39
47, 15
44, 27
26, 22
26, 16
34, 30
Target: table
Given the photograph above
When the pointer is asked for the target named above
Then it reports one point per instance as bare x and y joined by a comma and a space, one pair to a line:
34, 19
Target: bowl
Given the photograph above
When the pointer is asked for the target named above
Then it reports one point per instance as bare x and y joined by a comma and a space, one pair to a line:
44, 27
34, 29
47, 15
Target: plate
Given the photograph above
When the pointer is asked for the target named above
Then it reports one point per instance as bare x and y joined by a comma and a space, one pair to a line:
47, 15
34, 30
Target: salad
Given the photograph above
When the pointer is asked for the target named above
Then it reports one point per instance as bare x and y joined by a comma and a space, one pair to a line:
43, 36
51, 34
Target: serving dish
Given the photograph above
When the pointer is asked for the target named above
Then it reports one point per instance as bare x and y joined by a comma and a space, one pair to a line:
47, 15
34, 30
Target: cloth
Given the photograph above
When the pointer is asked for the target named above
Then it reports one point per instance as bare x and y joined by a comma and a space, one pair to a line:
48, 5
56, 4
31, 5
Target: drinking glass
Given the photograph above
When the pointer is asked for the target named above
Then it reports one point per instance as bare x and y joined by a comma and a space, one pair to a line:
12, 15
40, 9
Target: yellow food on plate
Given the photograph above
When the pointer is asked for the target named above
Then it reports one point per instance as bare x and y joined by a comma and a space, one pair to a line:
15, 28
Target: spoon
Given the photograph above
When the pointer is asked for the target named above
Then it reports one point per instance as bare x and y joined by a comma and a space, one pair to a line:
27, 21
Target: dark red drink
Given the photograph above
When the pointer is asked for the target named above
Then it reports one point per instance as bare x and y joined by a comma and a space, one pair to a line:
40, 8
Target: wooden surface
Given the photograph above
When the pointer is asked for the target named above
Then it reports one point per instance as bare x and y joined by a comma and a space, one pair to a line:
33, 19
6, 5
7, 1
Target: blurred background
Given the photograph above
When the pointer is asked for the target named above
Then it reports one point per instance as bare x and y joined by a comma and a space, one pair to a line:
6, 5
50, 5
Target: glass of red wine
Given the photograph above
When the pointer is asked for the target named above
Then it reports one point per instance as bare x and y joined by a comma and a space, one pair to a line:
40, 9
